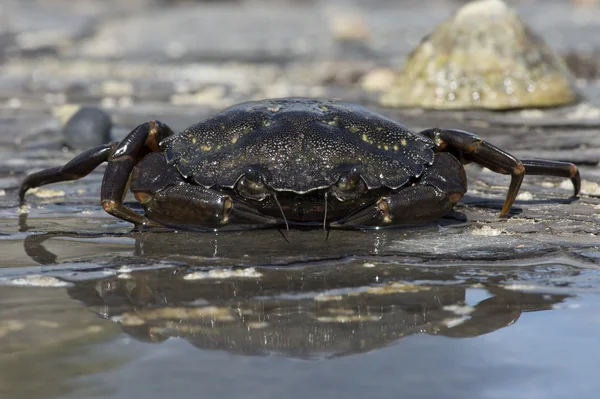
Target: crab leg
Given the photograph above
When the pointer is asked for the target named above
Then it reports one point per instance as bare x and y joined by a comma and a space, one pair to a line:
472, 148
80, 166
144, 138
554, 168
121, 158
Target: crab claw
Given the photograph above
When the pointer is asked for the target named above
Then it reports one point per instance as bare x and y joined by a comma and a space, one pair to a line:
373, 215
242, 213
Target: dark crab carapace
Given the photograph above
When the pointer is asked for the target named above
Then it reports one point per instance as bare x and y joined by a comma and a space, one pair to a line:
292, 161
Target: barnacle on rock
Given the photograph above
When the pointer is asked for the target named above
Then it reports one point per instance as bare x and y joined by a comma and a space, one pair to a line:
483, 57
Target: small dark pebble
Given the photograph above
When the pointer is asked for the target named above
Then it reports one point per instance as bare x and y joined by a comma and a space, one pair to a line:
87, 128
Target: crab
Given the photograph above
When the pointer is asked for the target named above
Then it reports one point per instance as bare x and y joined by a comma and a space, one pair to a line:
292, 161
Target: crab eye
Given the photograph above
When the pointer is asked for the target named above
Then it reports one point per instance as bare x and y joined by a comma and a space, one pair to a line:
350, 185
252, 185
254, 180
349, 181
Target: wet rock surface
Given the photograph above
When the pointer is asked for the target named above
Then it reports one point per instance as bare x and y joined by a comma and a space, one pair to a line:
247, 292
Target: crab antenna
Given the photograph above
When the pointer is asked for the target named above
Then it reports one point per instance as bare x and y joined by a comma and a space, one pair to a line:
283, 235
325, 217
287, 227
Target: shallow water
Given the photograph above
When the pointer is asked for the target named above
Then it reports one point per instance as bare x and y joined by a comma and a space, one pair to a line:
154, 334
119, 314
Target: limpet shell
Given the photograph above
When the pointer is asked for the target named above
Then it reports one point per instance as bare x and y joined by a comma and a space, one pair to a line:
483, 57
